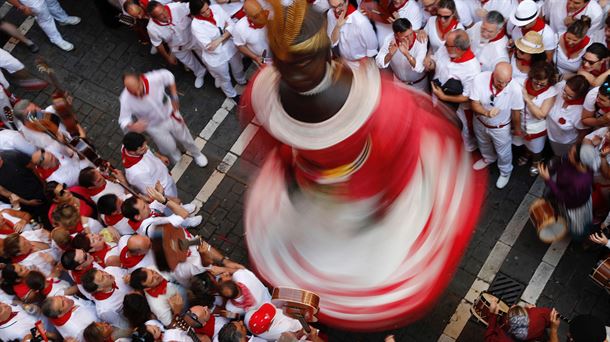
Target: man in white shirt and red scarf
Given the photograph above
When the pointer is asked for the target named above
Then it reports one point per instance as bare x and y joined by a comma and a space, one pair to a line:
527, 17
212, 28
488, 40
94, 244
69, 315
109, 207
351, 32
456, 61
97, 185
496, 100
146, 107
15, 323
203, 322
171, 24
108, 290
157, 290
244, 291
250, 33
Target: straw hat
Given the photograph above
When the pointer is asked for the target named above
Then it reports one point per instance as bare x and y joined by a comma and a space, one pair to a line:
525, 13
530, 43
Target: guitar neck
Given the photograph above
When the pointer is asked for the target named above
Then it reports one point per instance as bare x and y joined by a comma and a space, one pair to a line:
193, 335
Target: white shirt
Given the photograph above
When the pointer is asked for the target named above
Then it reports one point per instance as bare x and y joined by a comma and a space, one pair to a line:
590, 100
550, 39
169, 335
110, 309
413, 12
146, 172
465, 10
186, 270
517, 74
14, 140
357, 39
154, 107
509, 98
259, 292
505, 7
147, 227
147, 261
122, 226
563, 123
556, 11
530, 124
464, 72
253, 38
434, 37
160, 306
18, 326
400, 65
205, 32
488, 53
177, 34
569, 65
81, 317
281, 323
111, 188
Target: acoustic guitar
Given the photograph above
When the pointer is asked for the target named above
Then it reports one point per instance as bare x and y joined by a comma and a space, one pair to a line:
298, 304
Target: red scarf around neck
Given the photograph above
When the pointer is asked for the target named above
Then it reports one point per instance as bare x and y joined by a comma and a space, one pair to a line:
443, 31
113, 219
128, 159
45, 173
468, 55
19, 258
600, 71
538, 26
573, 15
350, 9
500, 35
97, 190
105, 295
63, 319
492, 88
11, 316
7, 227
531, 91
100, 255
209, 19
128, 260
76, 274
574, 102
571, 50
158, 290
169, 14
208, 328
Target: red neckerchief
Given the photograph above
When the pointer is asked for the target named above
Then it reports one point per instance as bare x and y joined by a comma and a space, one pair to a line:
11, 316
531, 91
78, 228
579, 46
522, 61
146, 85
396, 9
209, 19
500, 35
129, 261
574, 102
247, 301
538, 26
63, 319
95, 191
483, 2
135, 225
49, 287
45, 173
169, 14
239, 14
350, 9
253, 25
105, 295
19, 258
468, 55
128, 159
111, 220
573, 15
76, 275
158, 290
21, 290
600, 71
7, 227
412, 40
443, 31
101, 254
208, 328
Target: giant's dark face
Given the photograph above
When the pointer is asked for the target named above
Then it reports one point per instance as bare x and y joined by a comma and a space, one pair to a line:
303, 72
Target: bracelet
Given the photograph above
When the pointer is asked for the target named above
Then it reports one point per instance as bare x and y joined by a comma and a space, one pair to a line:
174, 97
165, 200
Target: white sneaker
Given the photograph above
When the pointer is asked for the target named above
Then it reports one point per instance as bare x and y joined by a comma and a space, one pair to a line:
502, 181
64, 45
480, 164
199, 82
153, 50
70, 21
201, 160
192, 221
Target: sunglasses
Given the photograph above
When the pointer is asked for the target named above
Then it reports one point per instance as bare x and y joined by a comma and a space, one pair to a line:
586, 61
41, 160
445, 17
197, 324
492, 97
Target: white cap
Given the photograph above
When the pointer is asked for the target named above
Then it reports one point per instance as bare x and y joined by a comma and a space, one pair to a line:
525, 13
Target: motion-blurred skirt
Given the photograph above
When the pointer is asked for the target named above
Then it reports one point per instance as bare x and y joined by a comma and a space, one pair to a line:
579, 219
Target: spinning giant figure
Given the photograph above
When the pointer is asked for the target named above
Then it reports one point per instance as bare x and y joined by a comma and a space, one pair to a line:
369, 199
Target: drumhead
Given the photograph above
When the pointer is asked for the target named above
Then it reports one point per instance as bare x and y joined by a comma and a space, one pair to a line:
553, 232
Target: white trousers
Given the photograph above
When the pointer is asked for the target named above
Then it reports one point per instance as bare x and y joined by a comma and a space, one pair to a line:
534, 145
10, 64
170, 133
498, 139
47, 12
187, 57
223, 78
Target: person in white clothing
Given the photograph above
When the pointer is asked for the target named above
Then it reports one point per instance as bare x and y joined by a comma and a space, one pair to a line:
562, 13
269, 322
438, 27
212, 28
203, 322
56, 167
572, 46
69, 315
154, 330
527, 17
488, 40
47, 12
482, 7
406, 9
236, 331
456, 61
530, 127
158, 291
109, 207
596, 108
405, 55
97, 185
146, 107
31, 248
250, 33
108, 290
564, 120
465, 10
244, 291
496, 100
15, 323
350, 31
171, 24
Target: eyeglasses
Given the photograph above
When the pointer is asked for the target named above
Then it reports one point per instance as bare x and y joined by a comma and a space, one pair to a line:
197, 324
586, 61
445, 17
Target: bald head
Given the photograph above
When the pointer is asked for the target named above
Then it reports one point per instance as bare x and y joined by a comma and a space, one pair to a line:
255, 12
138, 244
502, 75
133, 84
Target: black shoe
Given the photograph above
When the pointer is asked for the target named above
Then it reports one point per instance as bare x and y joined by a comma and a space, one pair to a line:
33, 48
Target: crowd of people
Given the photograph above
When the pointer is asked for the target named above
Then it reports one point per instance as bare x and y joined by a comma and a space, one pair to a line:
78, 238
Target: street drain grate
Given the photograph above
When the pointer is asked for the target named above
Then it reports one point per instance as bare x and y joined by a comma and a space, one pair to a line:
507, 289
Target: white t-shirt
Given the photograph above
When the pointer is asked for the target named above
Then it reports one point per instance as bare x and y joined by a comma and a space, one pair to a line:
111, 308
563, 123
17, 327
205, 32
400, 65
146, 172
357, 39
556, 11
433, 36
14, 140
177, 34
530, 124
257, 289
509, 98
81, 317
254, 39
488, 53
569, 65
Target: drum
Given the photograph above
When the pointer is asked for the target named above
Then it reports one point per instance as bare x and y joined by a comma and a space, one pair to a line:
601, 274
481, 307
548, 227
